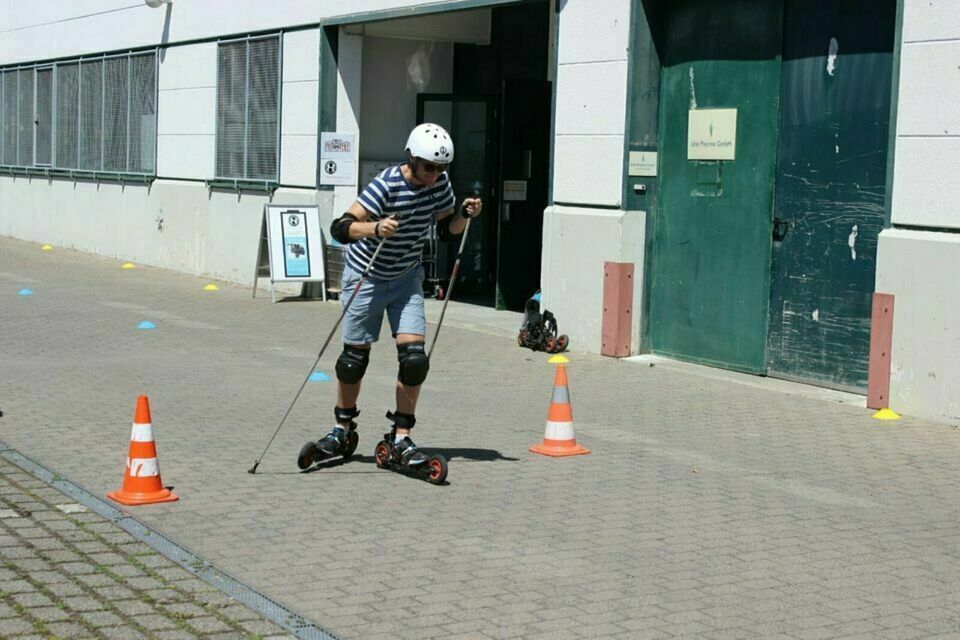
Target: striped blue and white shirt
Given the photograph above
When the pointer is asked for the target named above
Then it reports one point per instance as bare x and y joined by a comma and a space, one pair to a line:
390, 194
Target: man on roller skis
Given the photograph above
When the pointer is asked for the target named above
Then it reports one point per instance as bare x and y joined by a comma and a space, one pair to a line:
396, 209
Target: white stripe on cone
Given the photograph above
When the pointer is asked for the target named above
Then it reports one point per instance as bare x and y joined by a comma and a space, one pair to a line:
142, 467
142, 432
559, 431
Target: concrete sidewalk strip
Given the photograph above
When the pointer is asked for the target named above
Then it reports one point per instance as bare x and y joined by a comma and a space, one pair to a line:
709, 507
115, 555
64, 572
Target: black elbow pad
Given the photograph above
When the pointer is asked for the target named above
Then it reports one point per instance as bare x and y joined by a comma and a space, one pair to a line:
443, 230
340, 228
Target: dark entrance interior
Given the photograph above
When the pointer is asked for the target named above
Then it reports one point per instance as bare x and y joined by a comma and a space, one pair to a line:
499, 114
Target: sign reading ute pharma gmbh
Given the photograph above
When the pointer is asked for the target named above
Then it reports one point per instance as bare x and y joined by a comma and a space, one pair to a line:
712, 134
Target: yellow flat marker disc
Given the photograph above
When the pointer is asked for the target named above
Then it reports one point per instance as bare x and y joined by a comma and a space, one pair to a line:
886, 414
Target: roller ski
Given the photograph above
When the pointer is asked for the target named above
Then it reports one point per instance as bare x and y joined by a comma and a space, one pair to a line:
539, 330
404, 456
339, 444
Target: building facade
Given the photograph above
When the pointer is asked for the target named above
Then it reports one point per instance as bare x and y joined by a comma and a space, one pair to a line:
765, 165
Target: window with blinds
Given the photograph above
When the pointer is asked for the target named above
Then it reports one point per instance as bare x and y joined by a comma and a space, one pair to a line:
97, 114
248, 109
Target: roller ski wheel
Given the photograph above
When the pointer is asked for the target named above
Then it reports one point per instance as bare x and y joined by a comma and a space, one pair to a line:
381, 455
310, 453
434, 470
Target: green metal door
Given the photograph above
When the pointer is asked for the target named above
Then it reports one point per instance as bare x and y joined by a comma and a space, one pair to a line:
711, 267
831, 184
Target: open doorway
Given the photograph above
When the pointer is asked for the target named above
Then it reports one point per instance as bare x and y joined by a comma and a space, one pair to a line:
483, 75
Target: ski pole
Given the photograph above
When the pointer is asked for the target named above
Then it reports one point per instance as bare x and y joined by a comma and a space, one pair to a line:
346, 307
453, 279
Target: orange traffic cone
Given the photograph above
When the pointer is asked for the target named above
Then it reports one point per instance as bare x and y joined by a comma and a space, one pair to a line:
558, 439
141, 478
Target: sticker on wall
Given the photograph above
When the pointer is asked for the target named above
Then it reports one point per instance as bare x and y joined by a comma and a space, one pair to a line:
712, 134
338, 165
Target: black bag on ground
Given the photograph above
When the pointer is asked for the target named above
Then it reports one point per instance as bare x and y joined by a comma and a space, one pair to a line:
539, 330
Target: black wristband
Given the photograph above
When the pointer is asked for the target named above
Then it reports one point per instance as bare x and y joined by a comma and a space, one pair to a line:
463, 212
376, 229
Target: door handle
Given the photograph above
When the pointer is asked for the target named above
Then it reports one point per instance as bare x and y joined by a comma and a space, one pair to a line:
780, 227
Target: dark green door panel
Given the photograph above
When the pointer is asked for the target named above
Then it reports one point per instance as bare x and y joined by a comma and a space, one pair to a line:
710, 280
831, 184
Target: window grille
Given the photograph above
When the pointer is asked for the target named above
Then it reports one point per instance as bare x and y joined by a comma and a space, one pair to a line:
43, 117
8, 117
91, 109
248, 109
115, 79
25, 117
95, 115
143, 115
68, 94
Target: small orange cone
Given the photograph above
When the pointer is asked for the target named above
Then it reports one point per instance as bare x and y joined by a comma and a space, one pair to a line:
141, 478
558, 440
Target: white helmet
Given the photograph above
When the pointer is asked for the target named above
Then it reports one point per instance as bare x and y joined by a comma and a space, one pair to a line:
430, 142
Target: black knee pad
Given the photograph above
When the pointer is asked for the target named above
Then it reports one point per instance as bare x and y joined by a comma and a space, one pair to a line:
352, 364
414, 363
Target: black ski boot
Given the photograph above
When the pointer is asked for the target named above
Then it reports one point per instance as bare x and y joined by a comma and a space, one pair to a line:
404, 455
340, 442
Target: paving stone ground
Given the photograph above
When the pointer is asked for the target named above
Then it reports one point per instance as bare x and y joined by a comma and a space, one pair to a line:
708, 508
66, 572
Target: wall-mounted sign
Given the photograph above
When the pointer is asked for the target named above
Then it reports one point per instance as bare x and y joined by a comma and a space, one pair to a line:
370, 169
712, 134
338, 165
643, 163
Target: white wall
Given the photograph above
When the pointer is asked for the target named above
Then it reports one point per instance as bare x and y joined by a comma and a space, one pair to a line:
591, 95
187, 111
919, 268
349, 100
926, 186
591, 102
576, 243
394, 72
299, 103
35, 31
173, 224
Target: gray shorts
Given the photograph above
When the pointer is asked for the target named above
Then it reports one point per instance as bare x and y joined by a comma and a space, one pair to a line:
402, 299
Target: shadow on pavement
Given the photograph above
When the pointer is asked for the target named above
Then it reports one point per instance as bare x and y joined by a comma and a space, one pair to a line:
479, 455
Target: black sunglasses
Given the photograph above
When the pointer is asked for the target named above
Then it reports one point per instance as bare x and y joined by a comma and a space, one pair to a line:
430, 167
